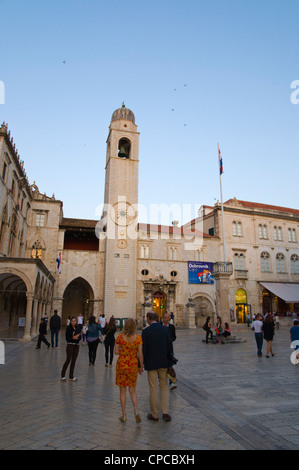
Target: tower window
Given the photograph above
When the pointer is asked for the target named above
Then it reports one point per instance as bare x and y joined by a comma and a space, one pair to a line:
124, 148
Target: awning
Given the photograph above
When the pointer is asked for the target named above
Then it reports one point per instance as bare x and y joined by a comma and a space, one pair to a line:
286, 291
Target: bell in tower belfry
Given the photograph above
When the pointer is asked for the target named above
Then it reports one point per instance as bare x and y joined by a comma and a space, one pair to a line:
124, 148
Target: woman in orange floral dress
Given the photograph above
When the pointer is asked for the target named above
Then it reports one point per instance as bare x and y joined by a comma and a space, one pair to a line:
128, 347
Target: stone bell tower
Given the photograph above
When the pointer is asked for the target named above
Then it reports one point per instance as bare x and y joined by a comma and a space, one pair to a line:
120, 215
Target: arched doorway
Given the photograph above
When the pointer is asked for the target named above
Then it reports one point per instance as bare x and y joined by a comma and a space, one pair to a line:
203, 309
242, 307
77, 298
13, 301
159, 303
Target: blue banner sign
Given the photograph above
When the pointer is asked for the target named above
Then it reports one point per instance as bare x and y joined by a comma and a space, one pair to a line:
200, 272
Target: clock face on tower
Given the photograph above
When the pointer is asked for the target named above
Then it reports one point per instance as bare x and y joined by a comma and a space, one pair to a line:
122, 213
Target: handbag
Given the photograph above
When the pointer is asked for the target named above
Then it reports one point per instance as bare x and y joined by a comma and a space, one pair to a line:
171, 374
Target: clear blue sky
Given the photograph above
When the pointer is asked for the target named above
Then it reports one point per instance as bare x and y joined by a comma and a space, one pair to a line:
194, 73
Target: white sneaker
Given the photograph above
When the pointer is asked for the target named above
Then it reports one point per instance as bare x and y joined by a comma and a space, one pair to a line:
74, 379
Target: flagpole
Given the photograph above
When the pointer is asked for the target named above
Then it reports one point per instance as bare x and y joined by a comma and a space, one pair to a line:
222, 213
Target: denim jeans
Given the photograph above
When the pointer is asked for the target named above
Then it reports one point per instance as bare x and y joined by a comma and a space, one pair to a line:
259, 342
54, 334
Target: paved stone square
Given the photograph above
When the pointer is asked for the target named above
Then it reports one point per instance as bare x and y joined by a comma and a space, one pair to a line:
227, 399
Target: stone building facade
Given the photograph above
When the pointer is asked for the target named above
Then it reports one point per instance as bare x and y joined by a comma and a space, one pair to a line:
120, 266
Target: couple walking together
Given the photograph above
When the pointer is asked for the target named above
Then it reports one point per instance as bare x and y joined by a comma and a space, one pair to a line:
153, 351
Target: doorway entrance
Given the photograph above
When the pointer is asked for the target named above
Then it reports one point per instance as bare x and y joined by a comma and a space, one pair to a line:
159, 303
242, 307
241, 312
77, 298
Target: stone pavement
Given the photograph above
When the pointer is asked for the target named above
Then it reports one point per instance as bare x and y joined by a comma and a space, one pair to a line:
227, 399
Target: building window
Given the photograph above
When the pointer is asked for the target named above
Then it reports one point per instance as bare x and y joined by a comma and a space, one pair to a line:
292, 235
263, 232
144, 251
40, 220
144, 272
280, 265
265, 262
4, 169
199, 255
173, 253
239, 261
13, 184
237, 229
173, 273
294, 264
277, 233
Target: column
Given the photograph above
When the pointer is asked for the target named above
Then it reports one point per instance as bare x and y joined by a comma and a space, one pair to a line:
35, 325
30, 296
190, 314
222, 291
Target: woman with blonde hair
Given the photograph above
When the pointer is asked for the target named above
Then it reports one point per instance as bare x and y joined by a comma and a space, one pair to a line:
130, 361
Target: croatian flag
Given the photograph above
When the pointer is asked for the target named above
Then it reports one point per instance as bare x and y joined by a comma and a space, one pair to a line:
58, 261
220, 161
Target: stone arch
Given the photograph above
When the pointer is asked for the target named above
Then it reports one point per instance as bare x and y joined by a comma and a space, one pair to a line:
13, 299
78, 297
204, 306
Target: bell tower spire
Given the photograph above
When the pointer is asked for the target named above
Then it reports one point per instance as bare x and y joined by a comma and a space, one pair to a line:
121, 199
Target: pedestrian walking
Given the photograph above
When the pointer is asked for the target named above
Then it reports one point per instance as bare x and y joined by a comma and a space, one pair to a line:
208, 329
128, 348
42, 334
103, 322
84, 332
268, 330
109, 341
166, 319
257, 326
93, 339
80, 321
72, 336
55, 326
157, 349
294, 335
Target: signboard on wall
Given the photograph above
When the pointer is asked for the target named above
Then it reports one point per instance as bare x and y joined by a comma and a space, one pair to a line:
200, 272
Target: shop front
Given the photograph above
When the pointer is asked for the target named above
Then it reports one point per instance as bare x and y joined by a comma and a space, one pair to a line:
242, 307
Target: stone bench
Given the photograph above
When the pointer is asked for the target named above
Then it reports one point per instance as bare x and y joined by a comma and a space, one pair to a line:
229, 339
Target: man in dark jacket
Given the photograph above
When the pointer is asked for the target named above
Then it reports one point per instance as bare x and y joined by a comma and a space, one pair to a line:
55, 325
171, 329
157, 351
42, 334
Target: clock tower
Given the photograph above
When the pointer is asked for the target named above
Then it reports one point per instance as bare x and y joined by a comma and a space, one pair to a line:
120, 215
